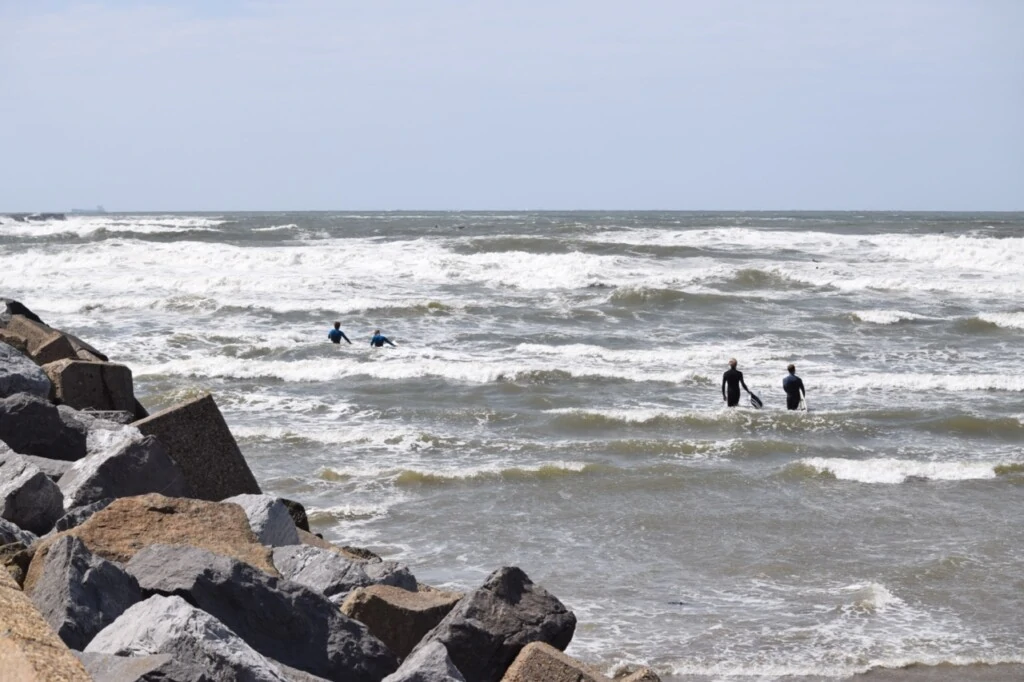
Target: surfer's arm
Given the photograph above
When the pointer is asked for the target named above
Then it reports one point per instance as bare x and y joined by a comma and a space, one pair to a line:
388, 341
346, 338
723, 388
744, 385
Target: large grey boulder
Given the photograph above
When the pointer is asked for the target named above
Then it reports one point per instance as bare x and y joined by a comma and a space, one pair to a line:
18, 374
130, 467
79, 593
279, 618
334, 575
431, 663
487, 629
111, 668
53, 468
268, 518
204, 649
28, 497
96, 424
32, 426
11, 533
79, 515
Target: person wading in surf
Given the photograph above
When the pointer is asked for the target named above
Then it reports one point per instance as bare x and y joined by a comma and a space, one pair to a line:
794, 388
336, 335
733, 379
379, 340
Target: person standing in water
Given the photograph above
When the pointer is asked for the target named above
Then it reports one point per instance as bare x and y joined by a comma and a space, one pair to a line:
732, 380
336, 335
794, 388
379, 340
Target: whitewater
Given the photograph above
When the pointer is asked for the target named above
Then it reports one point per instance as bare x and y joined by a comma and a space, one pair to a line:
554, 402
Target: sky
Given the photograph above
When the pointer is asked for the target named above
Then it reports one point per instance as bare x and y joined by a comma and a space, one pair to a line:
529, 105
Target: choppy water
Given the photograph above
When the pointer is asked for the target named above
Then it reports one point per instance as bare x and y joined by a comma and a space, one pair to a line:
554, 403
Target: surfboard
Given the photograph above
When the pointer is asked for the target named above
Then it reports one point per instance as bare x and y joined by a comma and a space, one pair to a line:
803, 404
755, 402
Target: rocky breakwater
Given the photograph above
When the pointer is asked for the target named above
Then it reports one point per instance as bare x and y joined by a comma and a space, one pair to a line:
140, 547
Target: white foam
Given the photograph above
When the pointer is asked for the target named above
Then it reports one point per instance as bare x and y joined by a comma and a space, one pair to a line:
889, 470
1007, 320
84, 226
887, 316
954, 383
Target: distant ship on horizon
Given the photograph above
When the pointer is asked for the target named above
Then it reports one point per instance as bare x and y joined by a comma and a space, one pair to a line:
88, 211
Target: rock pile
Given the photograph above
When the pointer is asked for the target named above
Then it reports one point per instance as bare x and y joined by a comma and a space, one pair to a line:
139, 547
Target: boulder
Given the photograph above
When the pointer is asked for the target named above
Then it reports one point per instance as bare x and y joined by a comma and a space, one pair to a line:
268, 518
79, 515
131, 468
490, 626
12, 307
15, 341
91, 385
79, 593
32, 426
111, 668
539, 661
11, 533
334, 575
44, 344
28, 497
29, 650
198, 439
129, 524
15, 558
18, 374
298, 514
398, 617
53, 468
278, 618
431, 664
203, 648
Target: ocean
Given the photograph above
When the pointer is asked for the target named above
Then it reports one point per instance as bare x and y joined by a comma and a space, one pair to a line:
554, 402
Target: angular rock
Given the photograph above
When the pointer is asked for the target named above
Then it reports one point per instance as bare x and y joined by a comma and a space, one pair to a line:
298, 514
32, 426
91, 385
18, 374
79, 593
396, 616
15, 558
111, 668
268, 518
198, 439
129, 524
490, 626
53, 468
79, 515
29, 650
11, 533
12, 307
202, 647
132, 468
28, 497
334, 575
279, 618
431, 664
44, 343
84, 351
16, 342
89, 421
539, 661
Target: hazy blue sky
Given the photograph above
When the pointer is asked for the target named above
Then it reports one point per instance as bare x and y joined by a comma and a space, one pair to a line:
378, 104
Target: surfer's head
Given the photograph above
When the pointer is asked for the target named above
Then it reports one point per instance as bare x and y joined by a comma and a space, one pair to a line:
376, 331
792, 369
732, 362
337, 325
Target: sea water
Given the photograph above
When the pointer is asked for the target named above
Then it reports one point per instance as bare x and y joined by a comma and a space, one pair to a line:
554, 402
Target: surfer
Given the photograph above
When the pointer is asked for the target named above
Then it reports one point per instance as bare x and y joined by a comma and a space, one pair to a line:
379, 340
336, 335
794, 388
733, 378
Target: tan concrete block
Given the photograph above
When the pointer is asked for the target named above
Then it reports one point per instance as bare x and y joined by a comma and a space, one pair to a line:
398, 617
539, 661
44, 344
92, 385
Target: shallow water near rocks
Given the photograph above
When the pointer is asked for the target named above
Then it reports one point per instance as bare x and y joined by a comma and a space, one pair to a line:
554, 403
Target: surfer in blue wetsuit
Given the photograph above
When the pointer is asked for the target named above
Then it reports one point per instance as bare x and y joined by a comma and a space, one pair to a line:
794, 388
732, 380
336, 335
379, 340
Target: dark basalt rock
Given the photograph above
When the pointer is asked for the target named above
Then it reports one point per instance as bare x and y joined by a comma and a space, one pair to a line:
33, 426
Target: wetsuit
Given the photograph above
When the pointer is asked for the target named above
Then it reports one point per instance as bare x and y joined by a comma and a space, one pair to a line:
733, 378
794, 388
336, 335
379, 340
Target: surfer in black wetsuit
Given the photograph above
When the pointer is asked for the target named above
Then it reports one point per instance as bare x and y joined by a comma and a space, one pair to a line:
732, 380
794, 388
379, 340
